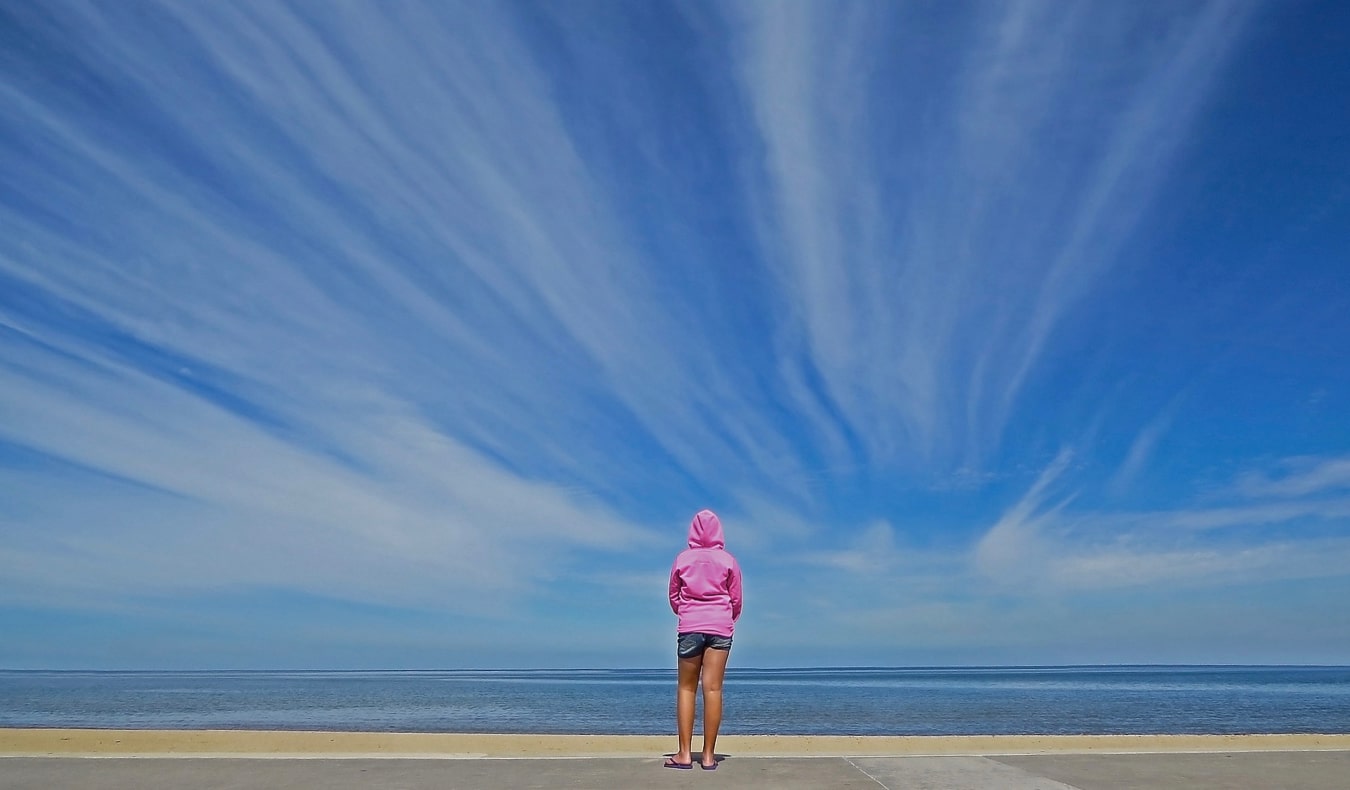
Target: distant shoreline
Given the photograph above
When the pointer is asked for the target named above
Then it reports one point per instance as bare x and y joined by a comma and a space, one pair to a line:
30, 742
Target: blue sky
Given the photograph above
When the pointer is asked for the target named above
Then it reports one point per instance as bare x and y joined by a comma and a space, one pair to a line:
411, 335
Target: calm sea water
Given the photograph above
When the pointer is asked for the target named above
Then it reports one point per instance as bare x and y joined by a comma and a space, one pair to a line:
873, 701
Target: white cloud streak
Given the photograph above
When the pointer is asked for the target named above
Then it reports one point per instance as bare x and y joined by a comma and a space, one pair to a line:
924, 315
219, 502
1142, 449
1302, 477
1053, 550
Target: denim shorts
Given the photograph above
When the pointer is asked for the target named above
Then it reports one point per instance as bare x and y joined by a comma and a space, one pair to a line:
693, 643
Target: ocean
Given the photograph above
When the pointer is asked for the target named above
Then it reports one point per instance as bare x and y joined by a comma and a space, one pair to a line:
838, 701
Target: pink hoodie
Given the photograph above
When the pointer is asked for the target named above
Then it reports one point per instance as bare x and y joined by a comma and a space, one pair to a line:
705, 582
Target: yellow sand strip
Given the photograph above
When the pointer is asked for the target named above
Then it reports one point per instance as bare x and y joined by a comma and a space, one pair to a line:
167, 743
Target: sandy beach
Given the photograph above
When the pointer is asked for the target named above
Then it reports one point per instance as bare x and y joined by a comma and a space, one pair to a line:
160, 759
255, 743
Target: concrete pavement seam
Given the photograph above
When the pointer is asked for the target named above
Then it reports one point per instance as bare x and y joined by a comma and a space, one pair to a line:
849, 760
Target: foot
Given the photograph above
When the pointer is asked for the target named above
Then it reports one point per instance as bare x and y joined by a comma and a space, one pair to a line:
708, 762
680, 761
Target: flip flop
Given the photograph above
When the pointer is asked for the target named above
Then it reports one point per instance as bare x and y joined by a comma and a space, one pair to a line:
682, 766
712, 767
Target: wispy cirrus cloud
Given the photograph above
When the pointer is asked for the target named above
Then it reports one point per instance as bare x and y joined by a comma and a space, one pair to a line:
1028, 159
1054, 547
195, 496
401, 304
1142, 448
1299, 477
261, 327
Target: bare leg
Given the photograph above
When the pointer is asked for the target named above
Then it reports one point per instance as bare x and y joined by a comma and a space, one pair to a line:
714, 668
684, 706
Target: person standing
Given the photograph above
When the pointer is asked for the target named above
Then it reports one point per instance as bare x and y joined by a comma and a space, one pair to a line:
705, 593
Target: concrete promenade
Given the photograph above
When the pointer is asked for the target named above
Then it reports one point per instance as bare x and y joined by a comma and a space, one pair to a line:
1230, 771
123, 760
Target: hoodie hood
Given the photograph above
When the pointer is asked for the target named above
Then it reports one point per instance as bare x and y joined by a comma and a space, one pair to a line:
705, 531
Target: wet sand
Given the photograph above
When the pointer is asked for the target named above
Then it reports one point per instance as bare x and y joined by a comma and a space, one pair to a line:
255, 743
